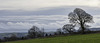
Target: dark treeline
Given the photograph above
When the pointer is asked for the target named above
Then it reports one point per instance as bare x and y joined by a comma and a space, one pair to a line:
35, 32
77, 17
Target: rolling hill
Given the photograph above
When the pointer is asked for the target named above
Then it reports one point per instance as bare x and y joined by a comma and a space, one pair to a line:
86, 38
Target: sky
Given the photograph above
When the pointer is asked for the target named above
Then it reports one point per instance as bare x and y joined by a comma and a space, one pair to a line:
21, 15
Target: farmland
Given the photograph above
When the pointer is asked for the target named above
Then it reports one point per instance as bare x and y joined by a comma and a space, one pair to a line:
86, 38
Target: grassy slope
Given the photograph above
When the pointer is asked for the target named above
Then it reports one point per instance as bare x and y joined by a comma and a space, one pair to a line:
89, 38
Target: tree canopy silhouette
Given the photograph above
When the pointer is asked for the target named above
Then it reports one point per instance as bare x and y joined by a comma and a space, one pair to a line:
68, 28
79, 16
33, 31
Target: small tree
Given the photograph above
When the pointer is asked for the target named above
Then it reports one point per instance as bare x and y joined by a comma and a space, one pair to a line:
80, 17
50, 34
55, 33
33, 32
13, 37
46, 34
42, 31
59, 31
68, 28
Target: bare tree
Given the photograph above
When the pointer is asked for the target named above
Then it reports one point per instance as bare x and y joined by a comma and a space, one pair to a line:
68, 28
13, 37
59, 31
43, 32
79, 16
33, 32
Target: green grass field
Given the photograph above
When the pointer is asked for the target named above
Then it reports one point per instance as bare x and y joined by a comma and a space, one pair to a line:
87, 38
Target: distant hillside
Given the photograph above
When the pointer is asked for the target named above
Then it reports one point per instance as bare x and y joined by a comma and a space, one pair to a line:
95, 29
9, 34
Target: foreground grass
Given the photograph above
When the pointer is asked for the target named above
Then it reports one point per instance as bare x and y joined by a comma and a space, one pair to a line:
88, 38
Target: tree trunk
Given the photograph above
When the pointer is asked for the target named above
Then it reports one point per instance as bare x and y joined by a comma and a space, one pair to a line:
83, 29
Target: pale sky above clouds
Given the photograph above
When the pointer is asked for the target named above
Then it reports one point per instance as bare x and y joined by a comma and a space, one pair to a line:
21, 15
38, 4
